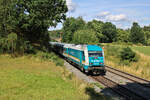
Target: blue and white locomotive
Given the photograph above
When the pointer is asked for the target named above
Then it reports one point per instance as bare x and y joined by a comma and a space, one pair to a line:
89, 58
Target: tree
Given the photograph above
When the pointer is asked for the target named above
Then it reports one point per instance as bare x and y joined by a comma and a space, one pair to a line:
4, 14
122, 35
146, 30
136, 34
85, 36
97, 27
30, 19
109, 31
70, 26
12, 42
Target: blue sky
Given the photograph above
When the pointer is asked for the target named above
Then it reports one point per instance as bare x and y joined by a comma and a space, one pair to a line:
122, 13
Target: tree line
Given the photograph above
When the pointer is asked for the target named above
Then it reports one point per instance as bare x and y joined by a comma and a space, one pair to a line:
78, 31
24, 23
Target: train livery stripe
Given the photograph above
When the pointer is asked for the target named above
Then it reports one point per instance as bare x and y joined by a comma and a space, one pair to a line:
77, 59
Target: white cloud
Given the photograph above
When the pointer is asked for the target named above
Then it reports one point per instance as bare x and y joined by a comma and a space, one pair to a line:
103, 14
116, 18
120, 20
71, 6
107, 16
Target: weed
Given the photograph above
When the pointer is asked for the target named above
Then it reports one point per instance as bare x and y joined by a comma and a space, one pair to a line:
98, 85
70, 76
137, 67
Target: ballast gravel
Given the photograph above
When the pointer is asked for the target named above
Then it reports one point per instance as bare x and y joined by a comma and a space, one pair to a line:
82, 76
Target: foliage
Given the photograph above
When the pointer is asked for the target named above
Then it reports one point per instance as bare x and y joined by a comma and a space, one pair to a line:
55, 33
12, 42
146, 30
30, 20
122, 35
3, 45
136, 34
50, 57
70, 26
104, 32
84, 37
110, 32
128, 55
97, 27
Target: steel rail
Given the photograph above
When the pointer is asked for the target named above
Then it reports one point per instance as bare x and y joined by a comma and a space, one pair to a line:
128, 76
119, 89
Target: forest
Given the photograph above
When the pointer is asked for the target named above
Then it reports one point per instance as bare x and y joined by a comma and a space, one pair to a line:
78, 31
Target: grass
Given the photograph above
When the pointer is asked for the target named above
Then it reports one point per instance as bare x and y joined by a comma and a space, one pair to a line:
140, 68
30, 78
142, 49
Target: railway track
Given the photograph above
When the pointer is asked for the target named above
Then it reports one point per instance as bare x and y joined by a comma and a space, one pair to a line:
119, 89
128, 76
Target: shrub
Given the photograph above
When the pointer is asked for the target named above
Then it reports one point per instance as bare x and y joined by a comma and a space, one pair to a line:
128, 55
50, 57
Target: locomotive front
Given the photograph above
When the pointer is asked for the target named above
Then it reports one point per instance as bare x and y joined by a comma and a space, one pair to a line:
96, 59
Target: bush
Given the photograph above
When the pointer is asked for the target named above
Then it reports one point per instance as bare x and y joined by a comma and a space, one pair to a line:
50, 57
128, 55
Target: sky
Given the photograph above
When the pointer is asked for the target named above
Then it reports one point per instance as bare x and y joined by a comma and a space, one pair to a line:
122, 13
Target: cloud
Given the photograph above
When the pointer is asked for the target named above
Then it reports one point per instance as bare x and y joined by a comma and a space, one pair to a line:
116, 18
107, 16
71, 6
103, 14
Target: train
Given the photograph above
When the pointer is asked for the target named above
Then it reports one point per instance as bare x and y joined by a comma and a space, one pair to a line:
88, 58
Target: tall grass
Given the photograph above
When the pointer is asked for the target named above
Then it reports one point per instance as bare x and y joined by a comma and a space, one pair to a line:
140, 68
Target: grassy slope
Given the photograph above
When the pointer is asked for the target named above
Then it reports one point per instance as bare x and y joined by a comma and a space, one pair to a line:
140, 68
27, 78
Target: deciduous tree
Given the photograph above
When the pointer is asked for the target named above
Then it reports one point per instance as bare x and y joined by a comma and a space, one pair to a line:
110, 32
70, 26
85, 36
136, 34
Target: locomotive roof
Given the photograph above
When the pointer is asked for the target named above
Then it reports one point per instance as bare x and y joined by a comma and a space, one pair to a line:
94, 48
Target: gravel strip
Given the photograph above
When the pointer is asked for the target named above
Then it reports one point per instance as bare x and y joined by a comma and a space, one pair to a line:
82, 76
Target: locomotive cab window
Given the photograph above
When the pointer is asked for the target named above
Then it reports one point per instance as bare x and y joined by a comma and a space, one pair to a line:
95, 54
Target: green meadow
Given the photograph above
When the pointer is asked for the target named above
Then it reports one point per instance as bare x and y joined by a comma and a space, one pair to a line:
30, 78
142, 49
